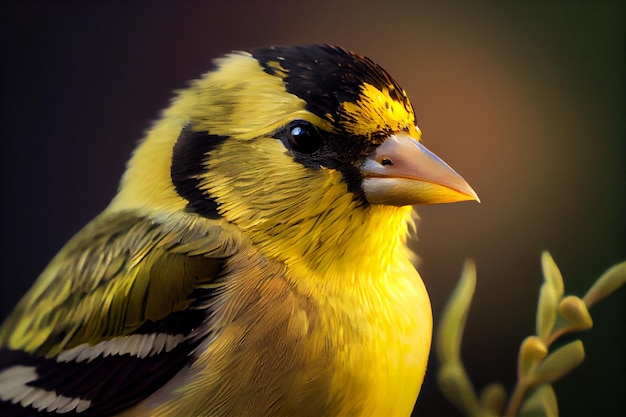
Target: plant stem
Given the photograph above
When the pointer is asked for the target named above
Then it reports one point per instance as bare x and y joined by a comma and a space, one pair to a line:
523, 384
558, 333
516, 399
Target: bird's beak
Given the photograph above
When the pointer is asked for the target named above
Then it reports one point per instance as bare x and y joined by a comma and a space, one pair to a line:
402, 172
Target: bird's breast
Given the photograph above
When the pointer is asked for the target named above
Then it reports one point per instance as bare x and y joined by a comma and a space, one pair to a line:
380, 330
357, 349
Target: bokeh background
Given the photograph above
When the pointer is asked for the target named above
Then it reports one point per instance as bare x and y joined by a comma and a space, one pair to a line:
524, 99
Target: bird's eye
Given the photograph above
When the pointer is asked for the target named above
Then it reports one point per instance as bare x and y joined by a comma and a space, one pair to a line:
303, 137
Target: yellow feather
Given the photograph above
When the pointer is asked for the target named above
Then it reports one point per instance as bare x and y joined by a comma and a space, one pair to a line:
297, 297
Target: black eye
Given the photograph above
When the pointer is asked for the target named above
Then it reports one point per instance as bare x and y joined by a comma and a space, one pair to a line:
303, 137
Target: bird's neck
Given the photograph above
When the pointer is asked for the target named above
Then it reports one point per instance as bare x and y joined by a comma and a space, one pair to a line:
330, 235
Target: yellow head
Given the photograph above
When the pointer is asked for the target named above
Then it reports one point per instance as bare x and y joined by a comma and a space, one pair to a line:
285, 141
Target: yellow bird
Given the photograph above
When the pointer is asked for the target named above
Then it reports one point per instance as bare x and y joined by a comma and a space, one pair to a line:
254, 261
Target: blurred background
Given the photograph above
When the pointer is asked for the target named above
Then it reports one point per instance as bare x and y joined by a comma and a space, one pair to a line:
524, 99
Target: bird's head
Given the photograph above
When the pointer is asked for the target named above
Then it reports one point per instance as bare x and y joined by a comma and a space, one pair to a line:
276, 135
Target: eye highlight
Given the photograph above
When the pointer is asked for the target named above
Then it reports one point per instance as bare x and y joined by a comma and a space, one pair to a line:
301, 136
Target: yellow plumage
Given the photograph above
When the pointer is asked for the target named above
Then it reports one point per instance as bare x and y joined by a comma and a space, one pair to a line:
254, 261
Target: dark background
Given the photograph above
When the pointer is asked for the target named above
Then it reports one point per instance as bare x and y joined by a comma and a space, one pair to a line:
525, 100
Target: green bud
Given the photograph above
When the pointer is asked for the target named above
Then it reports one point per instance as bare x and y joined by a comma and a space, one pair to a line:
541, 403
452, 321
608, 283
574, 310
493, 399
531, 352
457, 388
546, 311
561, 361
552, 274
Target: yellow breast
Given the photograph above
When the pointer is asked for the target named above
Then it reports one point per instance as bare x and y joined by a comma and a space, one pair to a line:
381, 333
344, 331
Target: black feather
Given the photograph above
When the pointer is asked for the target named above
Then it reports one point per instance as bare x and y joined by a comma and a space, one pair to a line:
325, 76
188, 163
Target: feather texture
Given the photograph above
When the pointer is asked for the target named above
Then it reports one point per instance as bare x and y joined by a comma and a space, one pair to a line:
242, 270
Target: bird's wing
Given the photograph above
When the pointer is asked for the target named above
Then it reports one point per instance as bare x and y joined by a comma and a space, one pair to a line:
115, 315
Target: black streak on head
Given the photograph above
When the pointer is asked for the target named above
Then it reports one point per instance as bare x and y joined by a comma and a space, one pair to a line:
325, 76
188, 163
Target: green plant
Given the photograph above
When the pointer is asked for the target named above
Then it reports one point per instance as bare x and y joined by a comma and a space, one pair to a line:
538, 366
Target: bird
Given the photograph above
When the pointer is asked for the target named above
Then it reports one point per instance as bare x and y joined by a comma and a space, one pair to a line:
254, 261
